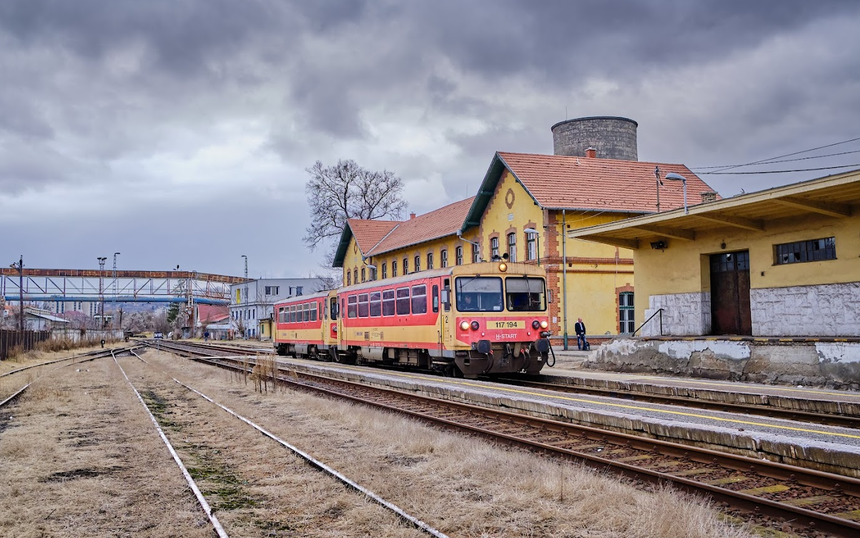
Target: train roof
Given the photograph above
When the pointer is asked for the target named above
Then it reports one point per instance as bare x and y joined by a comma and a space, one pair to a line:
305, 298
481, 268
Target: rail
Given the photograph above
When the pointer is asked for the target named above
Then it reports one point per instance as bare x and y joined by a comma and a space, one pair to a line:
659, 311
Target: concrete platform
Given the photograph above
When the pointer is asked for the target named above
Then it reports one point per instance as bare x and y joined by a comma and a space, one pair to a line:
825, 448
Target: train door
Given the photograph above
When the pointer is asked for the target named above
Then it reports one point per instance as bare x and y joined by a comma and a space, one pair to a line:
730, 293
446, 323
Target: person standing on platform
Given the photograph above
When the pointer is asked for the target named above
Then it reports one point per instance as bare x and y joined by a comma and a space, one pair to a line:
581, 342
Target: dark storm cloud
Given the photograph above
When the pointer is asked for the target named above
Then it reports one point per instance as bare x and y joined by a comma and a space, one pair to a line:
169, 99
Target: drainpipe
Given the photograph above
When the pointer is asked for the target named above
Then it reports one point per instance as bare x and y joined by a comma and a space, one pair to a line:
564, 272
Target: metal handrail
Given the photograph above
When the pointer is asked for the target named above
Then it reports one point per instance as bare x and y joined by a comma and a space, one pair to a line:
659, 311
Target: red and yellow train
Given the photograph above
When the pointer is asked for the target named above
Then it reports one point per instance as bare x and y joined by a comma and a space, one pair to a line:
478, 319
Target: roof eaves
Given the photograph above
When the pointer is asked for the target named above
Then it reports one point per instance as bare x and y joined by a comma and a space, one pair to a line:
340, 253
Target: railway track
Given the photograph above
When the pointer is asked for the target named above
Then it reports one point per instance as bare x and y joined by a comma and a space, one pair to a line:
773, 495
158, 400
765, 409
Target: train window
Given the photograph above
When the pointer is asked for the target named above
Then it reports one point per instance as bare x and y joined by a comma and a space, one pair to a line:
318, 310
280, 314
375, 304
388, 303
478, 294
313, 309
333, 308
394, 268
352, 308
435, 298
419, 299
403, 301
307, 312
293, 314
362, 305
525, 294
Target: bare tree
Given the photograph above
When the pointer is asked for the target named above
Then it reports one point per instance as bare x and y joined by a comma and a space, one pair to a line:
348, 191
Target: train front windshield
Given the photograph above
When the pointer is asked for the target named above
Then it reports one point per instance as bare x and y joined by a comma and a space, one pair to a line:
525, 294
485, 294
479, 294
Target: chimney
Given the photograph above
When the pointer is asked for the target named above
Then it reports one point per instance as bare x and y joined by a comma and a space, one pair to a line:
709, 196
591, 153
411, 216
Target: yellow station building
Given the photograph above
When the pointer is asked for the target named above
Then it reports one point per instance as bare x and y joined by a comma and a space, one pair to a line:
783, 262
524, 205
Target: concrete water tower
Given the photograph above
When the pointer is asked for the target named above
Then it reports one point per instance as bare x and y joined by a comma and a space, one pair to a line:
612, 137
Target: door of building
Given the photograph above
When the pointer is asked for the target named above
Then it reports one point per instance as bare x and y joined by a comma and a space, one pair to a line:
730, 293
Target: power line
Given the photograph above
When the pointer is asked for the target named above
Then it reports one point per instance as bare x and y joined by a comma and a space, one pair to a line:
764, 161
777, 171
783, 160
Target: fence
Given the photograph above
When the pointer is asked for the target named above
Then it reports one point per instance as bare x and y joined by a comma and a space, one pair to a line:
9, 340
27, 340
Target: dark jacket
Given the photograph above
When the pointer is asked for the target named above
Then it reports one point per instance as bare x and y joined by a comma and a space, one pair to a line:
579, 328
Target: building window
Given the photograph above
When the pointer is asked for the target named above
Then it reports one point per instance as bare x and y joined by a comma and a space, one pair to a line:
443, 257
355, 275
494, 248
813, 250
363, 279
349, 278
394, 268
384, 270
476, 257
417, 263
429, 260
272, 290
458, 256
625, 313
531, 251
512, 247
299, 290
405, 266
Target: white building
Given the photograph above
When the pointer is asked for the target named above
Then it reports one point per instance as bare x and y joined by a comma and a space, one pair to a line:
251, 303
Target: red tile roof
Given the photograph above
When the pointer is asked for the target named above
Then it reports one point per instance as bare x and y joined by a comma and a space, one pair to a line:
368, 232
212, 313
562, 182
442, 222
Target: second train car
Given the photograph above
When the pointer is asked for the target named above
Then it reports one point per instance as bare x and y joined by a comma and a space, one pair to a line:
468, 320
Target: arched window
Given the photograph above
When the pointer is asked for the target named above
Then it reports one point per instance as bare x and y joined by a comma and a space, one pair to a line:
443, 257
417, 263
384, 270
349, 278
355, 275
394, 268
531, 251
512, 247
458, 260
494, 248
429, 261
476, 256
363, 278
405, 266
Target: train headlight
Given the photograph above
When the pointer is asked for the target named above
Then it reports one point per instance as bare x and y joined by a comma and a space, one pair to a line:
535, 324
464, 325
475, 326
503, 267
544, 324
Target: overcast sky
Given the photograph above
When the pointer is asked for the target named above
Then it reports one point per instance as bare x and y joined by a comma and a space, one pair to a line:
178, 132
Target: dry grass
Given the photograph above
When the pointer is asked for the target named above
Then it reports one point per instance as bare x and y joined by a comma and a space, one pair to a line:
80, 442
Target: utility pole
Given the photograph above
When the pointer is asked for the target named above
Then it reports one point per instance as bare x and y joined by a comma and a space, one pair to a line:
20, 267
246, 291
115, 288
102, 260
